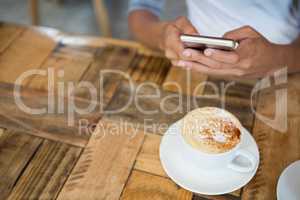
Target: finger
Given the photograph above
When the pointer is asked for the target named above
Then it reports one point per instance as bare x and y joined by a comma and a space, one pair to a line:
207, 70
228, 57
242, 33
178, 63
173, 42
175, 63
171, 55
198, 56
185, 25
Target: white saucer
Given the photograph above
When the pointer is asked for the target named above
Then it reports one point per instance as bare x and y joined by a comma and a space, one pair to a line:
289, 183
183, 171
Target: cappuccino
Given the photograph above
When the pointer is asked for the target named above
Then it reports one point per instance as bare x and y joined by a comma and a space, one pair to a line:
211, 130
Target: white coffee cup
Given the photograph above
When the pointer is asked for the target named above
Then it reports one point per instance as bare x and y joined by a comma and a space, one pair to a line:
220, 160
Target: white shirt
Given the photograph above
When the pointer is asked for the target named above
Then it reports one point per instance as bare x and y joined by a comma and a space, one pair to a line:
272, 18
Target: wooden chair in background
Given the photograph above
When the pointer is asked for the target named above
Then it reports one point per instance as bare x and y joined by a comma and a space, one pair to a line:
100, 10
33, 10
102, 18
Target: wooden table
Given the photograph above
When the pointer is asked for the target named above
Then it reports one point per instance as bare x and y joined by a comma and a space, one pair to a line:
41, 156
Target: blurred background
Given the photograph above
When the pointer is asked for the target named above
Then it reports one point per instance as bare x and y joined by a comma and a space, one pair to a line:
92, 17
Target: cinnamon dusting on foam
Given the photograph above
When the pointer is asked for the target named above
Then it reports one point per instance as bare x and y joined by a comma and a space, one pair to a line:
211, 130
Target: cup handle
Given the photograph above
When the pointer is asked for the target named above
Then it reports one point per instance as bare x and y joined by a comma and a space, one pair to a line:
243, 169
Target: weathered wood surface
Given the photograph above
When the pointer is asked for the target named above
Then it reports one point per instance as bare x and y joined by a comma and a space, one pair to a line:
149, 68
8, 34
148, 158
233, 95
164, 108
53, 126
16, 151
1, 131
147, 186
51, 166
26, 52
105, 164
75, 69
46, 173
107, 69
278, 148
64, 64
185, 82
218, 197
132, 110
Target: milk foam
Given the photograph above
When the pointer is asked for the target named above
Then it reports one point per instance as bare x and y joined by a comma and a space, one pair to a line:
220, 137
211, 130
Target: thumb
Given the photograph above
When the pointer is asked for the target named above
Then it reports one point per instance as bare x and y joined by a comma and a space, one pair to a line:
186, 26
242, 33
189, 28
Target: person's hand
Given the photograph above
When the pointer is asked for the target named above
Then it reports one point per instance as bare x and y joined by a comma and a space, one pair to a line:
170, 40
255, 56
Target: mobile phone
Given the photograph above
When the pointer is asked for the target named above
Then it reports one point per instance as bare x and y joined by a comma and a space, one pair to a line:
202, 42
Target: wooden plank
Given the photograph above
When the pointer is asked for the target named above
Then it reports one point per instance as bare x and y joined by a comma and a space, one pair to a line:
219, 197
16, 150
89, 41
146, 186
134, 64
185, 81
105, 165
149, 68
99, 62
27, 52
292, 87
166, 107
8, 33
116, 59
148, 158
110, 57
137, 73
1, 131
71, 61
47, 172
232, 88
235, 96
160, 77
57, 123
51, 125
277, 149
146, 112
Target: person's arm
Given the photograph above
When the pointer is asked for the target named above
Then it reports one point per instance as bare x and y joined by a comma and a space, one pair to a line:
146, 27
